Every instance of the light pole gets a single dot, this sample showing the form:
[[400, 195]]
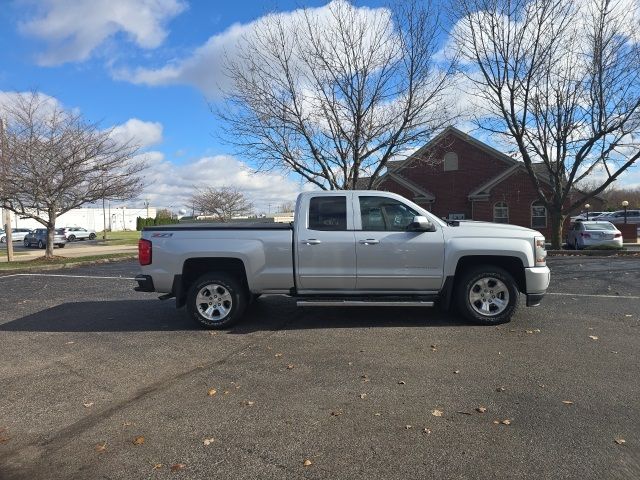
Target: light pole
[[625, 204], [587, 207]]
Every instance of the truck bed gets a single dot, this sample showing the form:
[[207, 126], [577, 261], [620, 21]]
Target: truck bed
[[221, 226]]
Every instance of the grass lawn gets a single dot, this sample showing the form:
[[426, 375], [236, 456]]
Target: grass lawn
[[120, 238], [61, 261]]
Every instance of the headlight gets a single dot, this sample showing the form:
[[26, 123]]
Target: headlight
[[540, 252]]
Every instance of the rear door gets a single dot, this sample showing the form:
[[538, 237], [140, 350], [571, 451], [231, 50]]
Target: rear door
[[325, 244], [389, 257]]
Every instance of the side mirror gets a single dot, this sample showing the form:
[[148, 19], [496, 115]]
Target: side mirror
[[421, 224]]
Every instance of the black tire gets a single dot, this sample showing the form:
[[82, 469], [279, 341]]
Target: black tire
[[71, 238], [238, 298], [61, 245], [499, 305], [26, 243], [41, 244], [92, 236]]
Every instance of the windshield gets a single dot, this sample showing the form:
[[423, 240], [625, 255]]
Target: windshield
[[599, 226]]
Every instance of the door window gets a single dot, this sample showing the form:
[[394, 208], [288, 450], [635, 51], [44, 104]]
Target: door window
[[385, 214], [328, 213]]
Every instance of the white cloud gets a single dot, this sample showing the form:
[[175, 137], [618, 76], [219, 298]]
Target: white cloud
[[171, 185], [204, 68], [138, 132], [75, 28]]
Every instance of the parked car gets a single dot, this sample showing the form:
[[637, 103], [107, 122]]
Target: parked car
[[583, 216], [17, 234], [592, 233], [633, 216], [78, 233], [38, 238]]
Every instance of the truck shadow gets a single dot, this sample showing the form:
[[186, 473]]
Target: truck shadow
[[266, 314]]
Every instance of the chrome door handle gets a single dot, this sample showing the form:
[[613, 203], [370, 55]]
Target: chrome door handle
[[311, 241], [369, 241]]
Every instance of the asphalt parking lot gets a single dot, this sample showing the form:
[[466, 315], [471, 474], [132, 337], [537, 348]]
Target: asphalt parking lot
[[99, 381]]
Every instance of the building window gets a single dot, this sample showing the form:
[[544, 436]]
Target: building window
[[538, 215], [501, 212], [450, 161]]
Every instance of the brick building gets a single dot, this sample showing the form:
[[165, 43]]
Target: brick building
[[456, 176]]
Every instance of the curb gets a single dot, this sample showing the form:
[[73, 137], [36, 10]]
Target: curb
[[62, 266]]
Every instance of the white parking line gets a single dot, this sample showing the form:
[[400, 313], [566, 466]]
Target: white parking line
[[633, 297], [64, 276]]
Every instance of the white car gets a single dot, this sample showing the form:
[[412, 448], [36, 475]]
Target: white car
[[17, 234], [593, 233], [78, 233]]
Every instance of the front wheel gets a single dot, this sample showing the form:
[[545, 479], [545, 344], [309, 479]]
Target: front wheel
[[216, 300], [71, 238], [61, 245], [92, 236], [487, 295], [40, 244], [26, 243]]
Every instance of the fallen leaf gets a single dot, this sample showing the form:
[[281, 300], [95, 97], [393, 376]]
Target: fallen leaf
[[291, 366], [481, 409], [157, 466], [426, 430], [139, 440], [363, 395], [278, 355], [437, 413], [307, 463], [529, 331], [506, 422], [350, 363], [567, 402], [620, 441], [434, 346], [496, 422], [593, 337], [249, 403], [336, 413], [207, 441], [377, 414], [126, 424], [177, 466], [70, 343], [408, 427], [628, 315], [500, 389], [226, 392], [536, 330], [456, 371], [101, 447], [88, 404], [401, 382], [212, 392], [213, 333], [541, 385]]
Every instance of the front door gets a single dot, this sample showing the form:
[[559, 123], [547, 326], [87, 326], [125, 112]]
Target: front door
[[326, 257], [389, 257]]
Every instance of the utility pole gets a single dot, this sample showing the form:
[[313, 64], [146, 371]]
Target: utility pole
[[6, 214]]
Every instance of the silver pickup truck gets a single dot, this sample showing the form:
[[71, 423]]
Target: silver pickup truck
[[346, 248]]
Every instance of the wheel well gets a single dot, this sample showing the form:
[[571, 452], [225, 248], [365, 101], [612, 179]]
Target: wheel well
[[513, 265], [193, 268]]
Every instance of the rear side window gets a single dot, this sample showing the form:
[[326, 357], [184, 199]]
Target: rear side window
[[328, 213], [59, 231]]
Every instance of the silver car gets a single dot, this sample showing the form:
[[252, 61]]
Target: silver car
[[38, 238], [633, 216], [17, 234], [79, 233], [592, 233]]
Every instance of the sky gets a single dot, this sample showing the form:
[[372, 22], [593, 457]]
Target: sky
[[150, 69]]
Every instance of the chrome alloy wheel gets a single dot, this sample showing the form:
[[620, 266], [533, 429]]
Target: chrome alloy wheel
[[214, 302], [489, 296]]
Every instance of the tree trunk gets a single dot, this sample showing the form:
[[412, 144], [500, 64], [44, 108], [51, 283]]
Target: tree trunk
[[557, 220], [51, 231]]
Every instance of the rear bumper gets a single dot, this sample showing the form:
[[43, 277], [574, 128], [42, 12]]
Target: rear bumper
[[145, 284]]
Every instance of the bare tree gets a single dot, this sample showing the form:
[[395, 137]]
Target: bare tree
[[333, 96], [561, 79], [55, 161], [223, 203]]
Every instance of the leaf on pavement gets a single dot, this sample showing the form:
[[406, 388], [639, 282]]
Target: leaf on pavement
[[620, 441], [500, 389], [207, 441], [377, 414], [249, 403], [363, 395], [278, 355], [506, 422], [88, 404], [211, 392], [567, 402], [157, 466], [291, 366], [139, 440], [437, 413], [177, 466], [456, 371], [481, 409], [426, 430], [307, 463], [336, 413], [402, 382], [101, 447], [593, 337], [408, 427]]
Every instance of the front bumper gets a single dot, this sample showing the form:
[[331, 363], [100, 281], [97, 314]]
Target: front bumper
[[145, 284], [537, 279]]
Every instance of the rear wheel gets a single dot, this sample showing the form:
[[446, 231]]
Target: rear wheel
[[92, 236], [26, 243], [216, 300], [71, 238], [40, 244], [487, 295]]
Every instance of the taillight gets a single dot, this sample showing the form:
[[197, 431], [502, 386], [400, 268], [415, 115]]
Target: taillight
[[585, 235], [144, 251]]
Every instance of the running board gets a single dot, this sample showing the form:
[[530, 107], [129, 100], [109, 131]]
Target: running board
[[361, 303]]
